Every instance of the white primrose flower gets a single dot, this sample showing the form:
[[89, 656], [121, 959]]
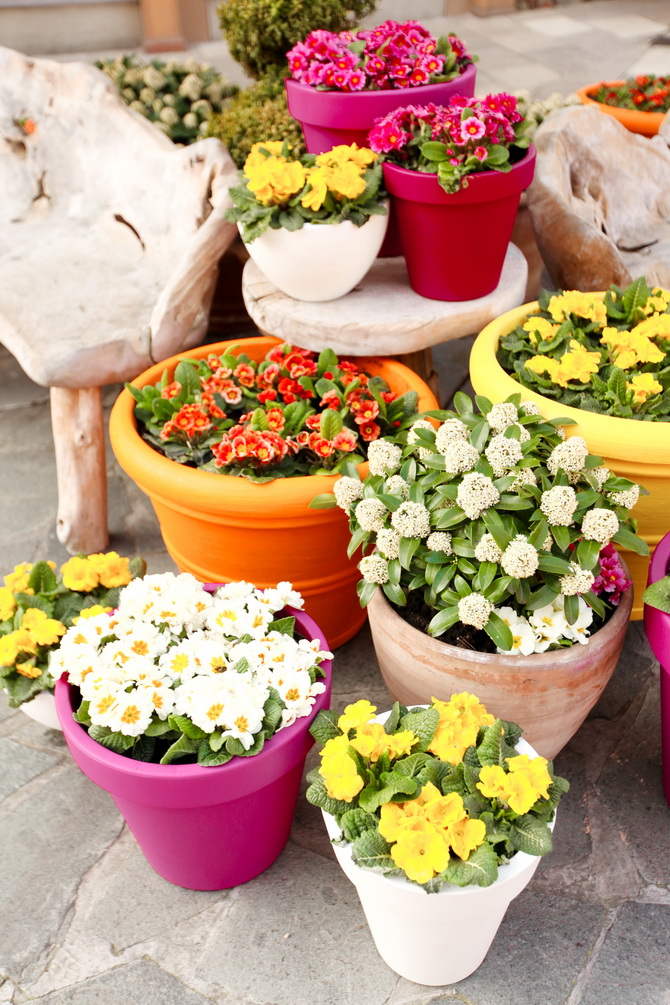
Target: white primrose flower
[[474, 610], [411, 519], [131, 713], [600, 525], [371, 514], [523, 639], [383, 457], [374, 569], [347, 490], [475, 494], [283, 595], [549, 625], [578, 631]]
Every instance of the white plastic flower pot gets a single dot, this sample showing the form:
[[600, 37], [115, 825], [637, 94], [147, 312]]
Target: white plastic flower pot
[[42, 708], [435, 938], [319, 261]]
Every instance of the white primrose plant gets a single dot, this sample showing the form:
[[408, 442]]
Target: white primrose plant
[[177, 672], [489, 520]]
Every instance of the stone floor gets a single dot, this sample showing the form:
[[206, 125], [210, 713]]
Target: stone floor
[[85, 919]]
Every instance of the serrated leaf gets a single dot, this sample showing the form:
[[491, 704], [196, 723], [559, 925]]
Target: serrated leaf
[[184, 725], [372, 851], [183, 747], [481, 868], [489, 751], [143, 748], [356, 822], [317, 795], [423, 724], [42, 578], [108, 738], [393, 783], [285, 626], [531, 835]]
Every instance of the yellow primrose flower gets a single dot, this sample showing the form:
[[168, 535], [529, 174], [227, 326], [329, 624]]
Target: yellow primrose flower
[[345, 180], [470, 708], [445, 810], [275, 180], [361, 156], [317, 191], [80, 575], [48, 632], [540, 329], [465, 835], [493, 782], [522, 793], [341, 778], [8, 650], [17, 581], [334, 747], [91, 612], [643, 385], [658, 301], [582, 305], [420, 852], [370, 740], [28, 670], [112, 569], [32, 617], [460, 719], [7, 603], [255, 157], [577, 364], [535, 768], [543, 364], [356, 715], [400, 743], [397, 817], [627, 349]]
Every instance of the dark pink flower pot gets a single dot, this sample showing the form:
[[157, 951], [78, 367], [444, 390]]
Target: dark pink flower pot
[[455, 244], [204, 828], [329, 118], [657, 627]]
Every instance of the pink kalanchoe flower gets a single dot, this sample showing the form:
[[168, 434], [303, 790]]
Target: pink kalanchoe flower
[[611, 580]]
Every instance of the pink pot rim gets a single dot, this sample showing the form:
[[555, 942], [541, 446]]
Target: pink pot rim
[[327, 108], [484, 186], [202, 782], [657, 623]]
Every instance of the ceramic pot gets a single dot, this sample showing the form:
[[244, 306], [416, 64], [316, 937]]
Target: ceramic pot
[[632, 449], [657, 627], [548, 694], [455, 243], [319, 261], [645, 123], [42, 708], [204, 828], [434, 938], [221, 528]]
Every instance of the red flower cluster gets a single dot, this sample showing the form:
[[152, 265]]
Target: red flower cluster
[[643, 93], [611, 580], [395, 54]]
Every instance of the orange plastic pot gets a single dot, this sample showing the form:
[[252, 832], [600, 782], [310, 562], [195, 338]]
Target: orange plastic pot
[[221, 528], [645, 123]]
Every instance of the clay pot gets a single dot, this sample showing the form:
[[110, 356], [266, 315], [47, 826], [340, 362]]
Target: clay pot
[[221, 528], [645, 123], [632, 449], [548, 694]]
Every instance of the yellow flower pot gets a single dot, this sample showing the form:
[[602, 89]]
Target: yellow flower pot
[[631, 448]]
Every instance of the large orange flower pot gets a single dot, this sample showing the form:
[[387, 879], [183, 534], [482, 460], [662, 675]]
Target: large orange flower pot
[[645, 123], [221, 528]]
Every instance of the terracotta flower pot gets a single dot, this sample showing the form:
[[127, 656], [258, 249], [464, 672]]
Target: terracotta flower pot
[[222, 528], [646, 123], [631, 448], [548, 694], [204, 828], [455, 243], [657, 627]]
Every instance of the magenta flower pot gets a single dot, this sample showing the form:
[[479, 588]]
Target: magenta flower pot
[[657, 627], [329, 118], [455, 244], [204, 828]]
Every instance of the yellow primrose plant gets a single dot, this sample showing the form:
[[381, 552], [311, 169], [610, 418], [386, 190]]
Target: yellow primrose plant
[[435, 794], [281, 190], [606, 354], [38, 605]]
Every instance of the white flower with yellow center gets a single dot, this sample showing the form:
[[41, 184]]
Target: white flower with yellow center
[[549, 625], [131, 713], [102, 699], [283, 595], [578, 631]]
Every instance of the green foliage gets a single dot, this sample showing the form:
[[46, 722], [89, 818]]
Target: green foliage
[[658, 595], [259, 33]]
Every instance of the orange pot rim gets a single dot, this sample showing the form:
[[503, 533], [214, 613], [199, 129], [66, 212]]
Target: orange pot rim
[[218, 493], [606, 432], [635, 121]]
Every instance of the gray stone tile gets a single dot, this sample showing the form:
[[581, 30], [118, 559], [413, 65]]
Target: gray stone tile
[[120, 914], [17, 388], [541, 946], [572, 841], [302, 925], [141, 983], [50, 839], [633, 964], [5, 710], [633, 674], [18, 764]]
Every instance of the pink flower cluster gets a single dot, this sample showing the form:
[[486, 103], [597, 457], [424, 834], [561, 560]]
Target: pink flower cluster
[[467, 127], [611, 580], [395, 54]]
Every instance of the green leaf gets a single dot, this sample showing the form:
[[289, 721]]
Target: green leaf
[[356, 822], [395, 594], [530, 835], [571, 609], [499, 632], [326, 500], [143, 748], [184, 725], [365, 591], [113, 741], [541, 598], [331, 423], [316, 795], [42, 578], [285, 626], [443, 620], [407, 550], [158, 728], [325, 726], [587, 553], [81, 715], [372, 851], [183, 747], [357, 539], [423, 724], [631, 541], [187, 375], [209, 758], [490, 750], [562, 537], [433, 151], [658, 595], [481, 869], [215, 741], [393, 783], [553, 564]]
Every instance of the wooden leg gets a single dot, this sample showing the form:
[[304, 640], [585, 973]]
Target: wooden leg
[[79, 439]]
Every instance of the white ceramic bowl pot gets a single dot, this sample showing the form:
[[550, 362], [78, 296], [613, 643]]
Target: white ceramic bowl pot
[[435, 938], [320, 261], [42, 708]]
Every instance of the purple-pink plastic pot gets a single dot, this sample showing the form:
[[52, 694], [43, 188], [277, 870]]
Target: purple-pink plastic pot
[[657, 627], [204, 828], [455, 244], [329, 118]]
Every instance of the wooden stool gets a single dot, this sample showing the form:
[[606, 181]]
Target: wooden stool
[[382, 316]]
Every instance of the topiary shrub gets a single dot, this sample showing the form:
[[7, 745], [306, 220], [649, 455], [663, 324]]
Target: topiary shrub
[[258, 113], [259, 33]]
